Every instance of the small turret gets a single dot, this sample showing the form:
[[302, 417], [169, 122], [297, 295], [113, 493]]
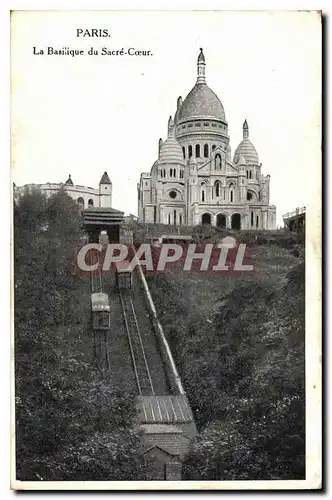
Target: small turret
[[192, 162], [170, 127], [69, 182], [160, 143], [178, 107]]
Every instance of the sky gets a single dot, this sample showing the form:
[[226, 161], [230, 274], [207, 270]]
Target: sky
[[88, 114]]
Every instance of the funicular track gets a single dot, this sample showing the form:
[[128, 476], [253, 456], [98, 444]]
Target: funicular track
[[139, 361], [95, 276], [101, 351]]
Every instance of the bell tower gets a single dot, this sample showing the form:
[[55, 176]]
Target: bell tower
[[105, 191]]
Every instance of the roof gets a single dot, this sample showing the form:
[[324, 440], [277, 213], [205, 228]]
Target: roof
[[105, 179], [170, 151], [248, 151], [201, 57], [69, 181], [161, 429], [201, 102], [164, 409], [102, 216], [176, 444]]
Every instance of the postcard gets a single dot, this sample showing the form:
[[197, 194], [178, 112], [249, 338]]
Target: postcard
[[166, 234]]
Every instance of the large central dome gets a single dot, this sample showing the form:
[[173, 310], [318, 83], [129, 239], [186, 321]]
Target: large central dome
[[201, 102]]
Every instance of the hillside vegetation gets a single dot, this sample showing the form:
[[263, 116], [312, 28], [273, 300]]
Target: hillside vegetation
[[238, 342], [70, 424]]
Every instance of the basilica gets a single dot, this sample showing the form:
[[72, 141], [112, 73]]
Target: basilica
[[195, 180]]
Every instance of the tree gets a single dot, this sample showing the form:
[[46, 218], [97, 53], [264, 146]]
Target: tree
[[70, 425]]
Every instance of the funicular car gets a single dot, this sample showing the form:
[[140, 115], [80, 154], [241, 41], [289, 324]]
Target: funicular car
[[100, 311], [124, 278]]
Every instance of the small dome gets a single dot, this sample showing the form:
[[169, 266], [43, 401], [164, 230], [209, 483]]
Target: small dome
[[170, 151], [201, 102], [248, 151]]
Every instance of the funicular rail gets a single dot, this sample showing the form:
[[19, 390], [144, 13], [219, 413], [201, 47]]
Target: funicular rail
[[95, 276], [141, 368], [100, 331]]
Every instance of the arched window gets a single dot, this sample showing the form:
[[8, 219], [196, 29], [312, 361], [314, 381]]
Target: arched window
[[180, 219], [190, 151], [217, 161], [250, 174], [197, 150], [247, 174], [236, 221], [206, 150], [171, 172], [164, 173], [184, 151], [80, 201], [217, 187], [206, 219], [257, 220], [203, 191], [231, 193], [169, 218], [174, 217], [252, 219], [90, 203], [249, 196]]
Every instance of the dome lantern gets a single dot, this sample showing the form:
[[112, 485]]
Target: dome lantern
[[245, 129], [201, 67]]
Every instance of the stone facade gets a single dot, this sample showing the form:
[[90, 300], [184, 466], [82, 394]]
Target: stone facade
[[86, 197], [195, 180]]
